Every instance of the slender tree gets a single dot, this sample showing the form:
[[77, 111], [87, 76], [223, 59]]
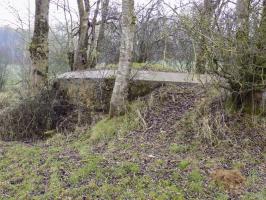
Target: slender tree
[[241, 87], [260, 62], [120, 91], [80, 60], [39, 45], [100, 41], [206, 21], [261, 48], [70, 34], [92, 51]]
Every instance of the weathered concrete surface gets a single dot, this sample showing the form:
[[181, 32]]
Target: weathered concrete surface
[[171, 77], [94, 88]]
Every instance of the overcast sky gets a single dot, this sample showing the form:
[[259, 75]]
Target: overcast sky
[[11, 11]]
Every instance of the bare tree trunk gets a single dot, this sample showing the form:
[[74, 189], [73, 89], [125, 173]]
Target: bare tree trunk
[[242, 98], [242, 35], [80, 60], [92, 51], [207, 17], [261, 46], [39, 45], [70, 35], [120, 91], [260, 62], [100, 42]]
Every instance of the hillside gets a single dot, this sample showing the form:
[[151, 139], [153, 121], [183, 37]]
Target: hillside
[[170, 145]]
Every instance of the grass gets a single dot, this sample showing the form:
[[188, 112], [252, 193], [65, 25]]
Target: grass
[[83, 172], [196, 187], [195, 184], [222, 196], [195, 176], [106, 162], [253, 177], [107, 128], [256, 195], [131, 168], [178, 148], [183, 164]]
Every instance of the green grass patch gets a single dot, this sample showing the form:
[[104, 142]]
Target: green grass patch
[[178, 148], [253, 178], [196, 187], [195, 182], [222, 196], [195, 176], [107, 128], [183, 164], [85, 171], [131, 167], [256, 196]]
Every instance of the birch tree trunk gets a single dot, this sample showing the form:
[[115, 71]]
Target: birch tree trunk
[[120, 91], [39, 45], [80, 60]]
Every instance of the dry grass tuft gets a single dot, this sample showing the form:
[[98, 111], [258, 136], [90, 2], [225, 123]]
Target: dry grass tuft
[[230, 179], [213, 123]]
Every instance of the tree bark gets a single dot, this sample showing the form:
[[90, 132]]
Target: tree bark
[[260, 62], [92, 51], [242, 96], [242, 37], [120, 91], [39, 50], [206, 21], [100, 42], [70, 35], [80, 60], [261, 47]]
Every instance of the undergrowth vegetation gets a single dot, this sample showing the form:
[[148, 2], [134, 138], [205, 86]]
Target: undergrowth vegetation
[[107, 128], [214, 121], [31, 117], [131, 158]]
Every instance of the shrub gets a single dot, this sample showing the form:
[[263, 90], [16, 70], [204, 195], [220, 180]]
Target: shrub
[[31, 117]]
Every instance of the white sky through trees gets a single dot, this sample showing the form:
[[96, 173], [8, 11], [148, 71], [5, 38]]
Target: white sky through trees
[[16, 13]]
